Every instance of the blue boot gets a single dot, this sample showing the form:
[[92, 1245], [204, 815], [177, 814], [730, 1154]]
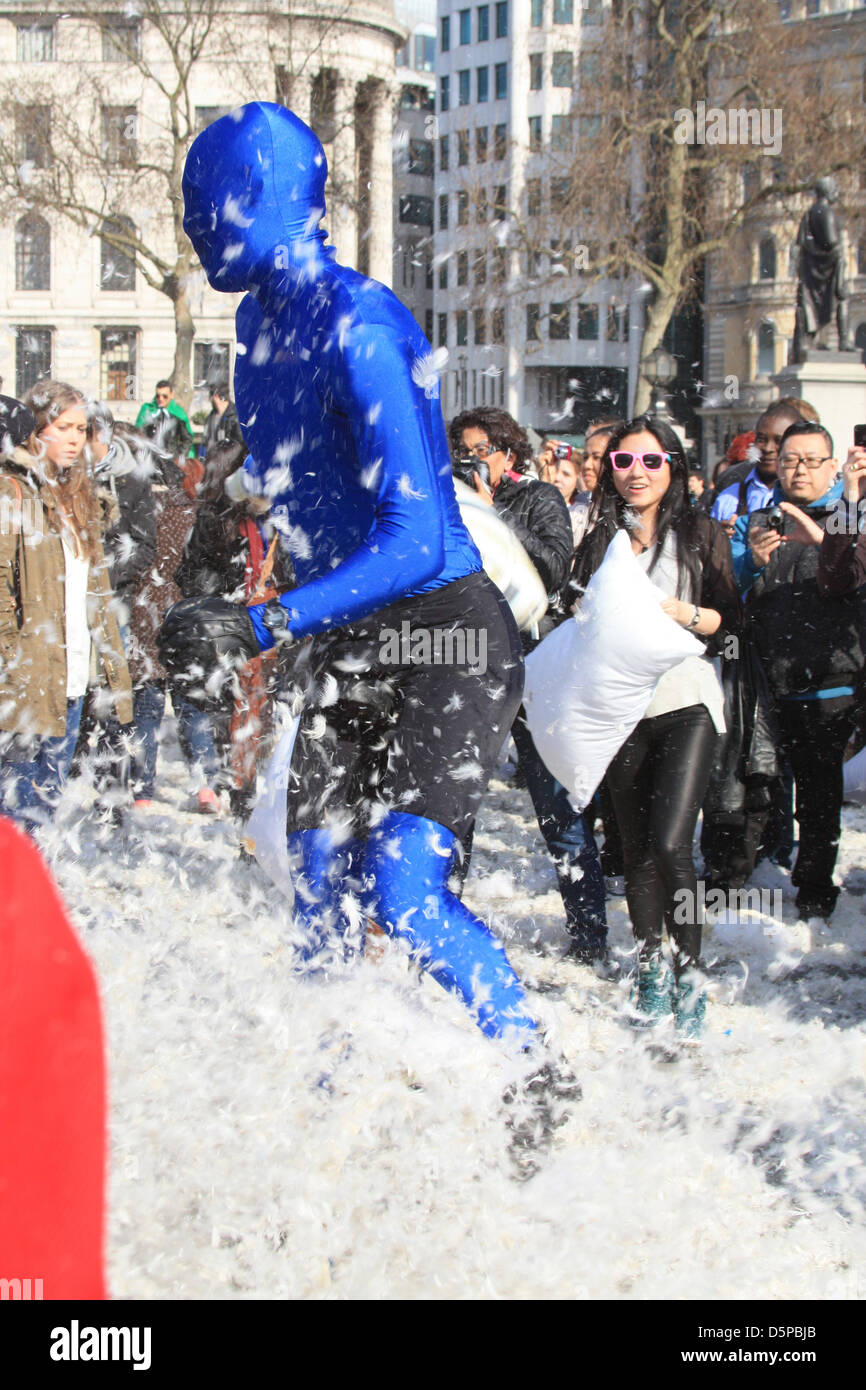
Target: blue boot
[[405, 869], [690, 1003], [653, 998]]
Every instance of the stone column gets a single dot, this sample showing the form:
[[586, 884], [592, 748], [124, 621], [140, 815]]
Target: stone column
[[381, 254], [341, 192]]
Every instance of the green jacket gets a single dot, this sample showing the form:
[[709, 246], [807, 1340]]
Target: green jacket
[[173, 441]]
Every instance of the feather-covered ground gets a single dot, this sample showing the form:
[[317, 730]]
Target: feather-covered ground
[[276, 1135]]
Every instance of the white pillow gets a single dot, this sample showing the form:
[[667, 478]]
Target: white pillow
[[591, 680], [504, 558]]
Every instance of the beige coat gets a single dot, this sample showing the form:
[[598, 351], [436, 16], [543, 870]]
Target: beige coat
[[32, 613]]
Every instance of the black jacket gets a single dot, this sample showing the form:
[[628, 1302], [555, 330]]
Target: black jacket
[[537, 514], [223, 429], [806, 628]]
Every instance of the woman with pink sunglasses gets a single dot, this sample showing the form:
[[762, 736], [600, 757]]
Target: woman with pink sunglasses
[[659, 776]]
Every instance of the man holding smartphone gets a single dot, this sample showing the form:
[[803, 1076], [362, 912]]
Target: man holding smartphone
[[801, 579]]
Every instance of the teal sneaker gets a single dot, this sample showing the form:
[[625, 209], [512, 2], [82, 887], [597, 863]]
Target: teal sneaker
[[690, 1003], [652, 997]]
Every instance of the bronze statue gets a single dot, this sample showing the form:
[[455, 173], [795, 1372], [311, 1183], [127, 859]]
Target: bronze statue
[[821, 286]]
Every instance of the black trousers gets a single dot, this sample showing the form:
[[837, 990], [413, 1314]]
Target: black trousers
[[814, 734], [657, 781]]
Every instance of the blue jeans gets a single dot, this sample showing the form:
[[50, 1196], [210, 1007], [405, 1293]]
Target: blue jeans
[[569, 838], [33, 771], [196, 737]]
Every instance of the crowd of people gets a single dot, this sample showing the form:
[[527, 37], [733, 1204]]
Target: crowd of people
[[106, 527], [116, 524]]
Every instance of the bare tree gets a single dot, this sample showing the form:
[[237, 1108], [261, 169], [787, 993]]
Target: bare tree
[[109, 160], [691, 121]]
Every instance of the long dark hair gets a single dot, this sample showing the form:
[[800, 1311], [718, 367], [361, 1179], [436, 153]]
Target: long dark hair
[[610, 511]]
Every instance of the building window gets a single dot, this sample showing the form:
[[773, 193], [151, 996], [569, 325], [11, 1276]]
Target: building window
[[502, 19], [535, 134], [590, 12], [617, 323], [444, 152], [482, 84], [751, 182], [481, 206], [32, 357], [211, 363], [416, 211], [813, 7], [421, 157], [766, 349], [462, 267], [120, 136], [559, 322], [562, 71], [465, 23], [560, 193], [443, 276], [560, 132], [483, 23], [442, 331], [500, 203], [501, 81], [428, 325], [206, 115], [537, 14], [402, 58], [462, 208], [589, 127], [462, 327], [445, 34], [500, 141], [533, 317], [536, 71], [587, 321], [32, 253], [480, 267], [479, 327], [533, 197], [563, 11], [33, 136], [589, 68], [767, 259], [462, 148], [861, 257], [425, 53], [35, 43], [121, 39], [463, 87], [500, 264], [444, 93], [118, 364], [116, 263], [497, 326], [481, 133], [443, 212]]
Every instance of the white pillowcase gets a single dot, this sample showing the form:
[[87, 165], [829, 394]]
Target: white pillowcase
[[592, 679]]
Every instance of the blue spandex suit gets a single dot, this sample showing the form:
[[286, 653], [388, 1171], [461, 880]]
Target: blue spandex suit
[[342, 417]]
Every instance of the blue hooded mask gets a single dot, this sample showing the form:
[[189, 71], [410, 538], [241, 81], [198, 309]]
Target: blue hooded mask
[[335, 384]]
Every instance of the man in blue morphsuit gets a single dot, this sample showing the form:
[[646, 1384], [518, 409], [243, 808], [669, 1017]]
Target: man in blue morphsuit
[[342, 416]]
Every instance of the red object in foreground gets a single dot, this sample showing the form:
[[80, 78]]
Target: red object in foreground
[[52, 1089]]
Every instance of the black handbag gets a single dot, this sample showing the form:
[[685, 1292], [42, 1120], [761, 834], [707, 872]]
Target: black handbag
[[201, 644], [746, 772]]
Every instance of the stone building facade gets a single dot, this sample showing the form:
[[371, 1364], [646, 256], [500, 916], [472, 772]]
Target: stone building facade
[[71, 304]]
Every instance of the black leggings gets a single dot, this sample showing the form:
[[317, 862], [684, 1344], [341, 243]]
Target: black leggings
[[657, 781]]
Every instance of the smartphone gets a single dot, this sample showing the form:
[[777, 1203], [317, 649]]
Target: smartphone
[[860, 436]]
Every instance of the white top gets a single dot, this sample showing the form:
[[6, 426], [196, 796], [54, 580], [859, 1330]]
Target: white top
[[694, 681], [77, 630]]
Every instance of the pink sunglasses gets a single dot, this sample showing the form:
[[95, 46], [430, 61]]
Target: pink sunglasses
[[621, 460]]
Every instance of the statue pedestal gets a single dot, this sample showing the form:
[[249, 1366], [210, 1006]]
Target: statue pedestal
[[835, 384]]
